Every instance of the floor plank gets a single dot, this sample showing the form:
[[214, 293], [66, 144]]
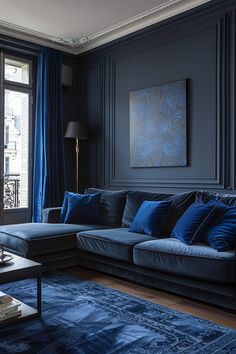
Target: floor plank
[[195, 308]]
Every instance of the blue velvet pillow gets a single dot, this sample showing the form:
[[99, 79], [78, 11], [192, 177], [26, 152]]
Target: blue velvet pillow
[[222, 234], [83, 209], [193, 224], [150, 218], [65, 206]]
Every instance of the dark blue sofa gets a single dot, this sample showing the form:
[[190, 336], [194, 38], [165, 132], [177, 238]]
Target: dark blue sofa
[[197, 271]]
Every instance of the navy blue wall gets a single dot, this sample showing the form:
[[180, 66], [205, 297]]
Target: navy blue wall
[[70, 113], [198, 46]]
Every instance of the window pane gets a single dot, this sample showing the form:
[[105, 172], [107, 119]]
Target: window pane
[[16, 71], [16, 144]]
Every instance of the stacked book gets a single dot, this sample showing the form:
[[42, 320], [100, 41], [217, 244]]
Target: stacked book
[[9, 307]]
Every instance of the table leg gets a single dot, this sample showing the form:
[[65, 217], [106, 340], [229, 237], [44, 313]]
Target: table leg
[[39, 295]]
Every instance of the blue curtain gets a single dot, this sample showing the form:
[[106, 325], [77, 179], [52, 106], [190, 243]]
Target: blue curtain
[[49, 168]]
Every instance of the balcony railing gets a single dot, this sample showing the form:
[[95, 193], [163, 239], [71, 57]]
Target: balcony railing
[[11, 191]]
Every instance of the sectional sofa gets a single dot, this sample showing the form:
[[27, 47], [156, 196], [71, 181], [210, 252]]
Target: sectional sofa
[[197, 271]]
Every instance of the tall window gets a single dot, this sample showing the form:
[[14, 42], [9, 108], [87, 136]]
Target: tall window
[[17, 92]]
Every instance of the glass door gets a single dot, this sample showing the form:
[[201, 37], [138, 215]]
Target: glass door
[[16, 117]]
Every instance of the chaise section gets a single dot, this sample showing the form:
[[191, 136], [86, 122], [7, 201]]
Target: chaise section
[[196, 261], [115, 243], [33, 239]]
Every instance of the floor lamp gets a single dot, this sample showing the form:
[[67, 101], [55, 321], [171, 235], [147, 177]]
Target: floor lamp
[[77, 131]]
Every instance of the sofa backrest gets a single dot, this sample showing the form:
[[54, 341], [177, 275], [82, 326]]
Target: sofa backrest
[[120, 207], [180, 202], [133, 202], [205, 196], [111, 205]]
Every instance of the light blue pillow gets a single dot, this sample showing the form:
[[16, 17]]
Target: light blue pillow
[[150, 218], [192, 225], [83, 209]]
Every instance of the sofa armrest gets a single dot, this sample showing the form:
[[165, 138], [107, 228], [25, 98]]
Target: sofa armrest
[[51, 215]]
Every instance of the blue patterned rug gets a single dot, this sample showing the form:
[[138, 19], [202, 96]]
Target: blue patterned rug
[[86, 318]]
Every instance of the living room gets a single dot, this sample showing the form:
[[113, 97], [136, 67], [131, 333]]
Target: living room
[[118, 178]]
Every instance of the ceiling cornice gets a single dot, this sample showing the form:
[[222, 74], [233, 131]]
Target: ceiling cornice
[[77, 46], [26, 34]]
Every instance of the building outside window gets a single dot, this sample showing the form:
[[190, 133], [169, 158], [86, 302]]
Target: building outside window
[[7, 165], [17, 93]]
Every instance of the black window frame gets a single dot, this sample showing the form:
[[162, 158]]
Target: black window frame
[[30, 90]]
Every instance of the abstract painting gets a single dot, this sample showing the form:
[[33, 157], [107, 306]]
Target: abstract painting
[[158, 126]]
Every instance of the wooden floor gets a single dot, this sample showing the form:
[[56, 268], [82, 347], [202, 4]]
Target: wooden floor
[[179, 303]]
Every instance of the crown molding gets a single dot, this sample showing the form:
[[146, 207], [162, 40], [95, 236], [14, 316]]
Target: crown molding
[[36, 37], [80, 45], [157, 14]]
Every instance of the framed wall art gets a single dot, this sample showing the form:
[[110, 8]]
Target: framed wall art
[[158, 126]]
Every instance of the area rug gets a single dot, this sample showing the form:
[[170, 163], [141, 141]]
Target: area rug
[[84, 317]]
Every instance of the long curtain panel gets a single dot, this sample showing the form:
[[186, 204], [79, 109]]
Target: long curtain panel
[[49, 168]]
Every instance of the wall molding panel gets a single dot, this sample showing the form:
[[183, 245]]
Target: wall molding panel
[[93, 112], [219, 179], [208, 66]]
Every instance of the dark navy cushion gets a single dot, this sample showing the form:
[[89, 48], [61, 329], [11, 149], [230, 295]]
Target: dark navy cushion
[[196, 261], [34, 239], [115, 243], [205, 197], [150, 218], [194, 222], [112, 205], [222, 235], [83, 209], [65, 206], [134, 201], [179, 203]]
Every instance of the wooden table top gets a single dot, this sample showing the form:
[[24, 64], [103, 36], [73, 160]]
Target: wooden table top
[[19, 268]]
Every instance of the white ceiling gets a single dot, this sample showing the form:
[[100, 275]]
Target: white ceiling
[[77, 25], [71, 18]]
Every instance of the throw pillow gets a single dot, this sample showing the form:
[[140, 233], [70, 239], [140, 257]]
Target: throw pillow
[[150, 218], [192, 225], [135, 200], [179, 203], [65, 206], [222, 235], [83, 209]]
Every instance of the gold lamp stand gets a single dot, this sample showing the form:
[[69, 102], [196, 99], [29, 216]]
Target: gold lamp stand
[[76, 130], [77, 164]]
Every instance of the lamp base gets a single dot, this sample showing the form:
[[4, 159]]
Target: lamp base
[[77, 164]]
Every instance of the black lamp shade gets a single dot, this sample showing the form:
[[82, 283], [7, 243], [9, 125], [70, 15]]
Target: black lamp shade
[[76, 130]]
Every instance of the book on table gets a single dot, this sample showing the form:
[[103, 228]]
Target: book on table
[[9, 307]]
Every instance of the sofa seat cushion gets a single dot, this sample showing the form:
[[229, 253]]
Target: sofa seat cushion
[[195, 261], [116, 243], [33, 239]]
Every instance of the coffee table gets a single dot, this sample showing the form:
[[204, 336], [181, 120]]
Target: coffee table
[[18, 269]]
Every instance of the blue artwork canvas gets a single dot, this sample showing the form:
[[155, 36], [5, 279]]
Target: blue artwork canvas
[[158, 132]]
